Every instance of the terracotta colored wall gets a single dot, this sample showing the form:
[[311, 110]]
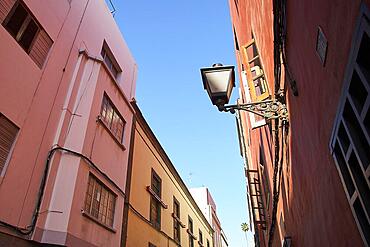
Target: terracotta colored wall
[[41, 102], [312, 202], [146, 156]]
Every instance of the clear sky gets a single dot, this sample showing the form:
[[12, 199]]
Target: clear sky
[[171, 41]]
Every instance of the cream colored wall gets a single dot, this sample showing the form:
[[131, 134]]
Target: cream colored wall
[[140, 232]]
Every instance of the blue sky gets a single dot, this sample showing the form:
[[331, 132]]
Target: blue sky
[[171, 41]]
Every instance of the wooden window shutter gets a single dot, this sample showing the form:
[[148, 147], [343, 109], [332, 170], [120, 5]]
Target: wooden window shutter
[[255, 74], [8, 133], [5, 7], [40, 48]]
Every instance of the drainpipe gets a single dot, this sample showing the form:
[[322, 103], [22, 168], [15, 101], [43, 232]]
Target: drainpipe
[[128, 183]]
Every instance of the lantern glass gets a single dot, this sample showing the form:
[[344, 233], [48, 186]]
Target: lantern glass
[[219, 82]]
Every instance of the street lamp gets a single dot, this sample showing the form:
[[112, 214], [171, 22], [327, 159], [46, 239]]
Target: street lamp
[[219, 81]]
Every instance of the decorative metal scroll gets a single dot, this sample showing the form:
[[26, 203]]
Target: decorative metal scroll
[[268, 109]]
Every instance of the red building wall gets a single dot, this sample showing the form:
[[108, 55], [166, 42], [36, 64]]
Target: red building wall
[[312, 203]]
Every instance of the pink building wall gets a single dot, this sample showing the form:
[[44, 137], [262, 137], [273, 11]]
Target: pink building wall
[[58, 105]]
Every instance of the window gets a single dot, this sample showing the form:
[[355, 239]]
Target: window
[[100, 201], [155, 204], [236, 40], [190, 232], [257, 83], [110, 61], [255, 120], [200, 241], [8, 133], [208, 243], [27, 32], [265, 177], [112, 119], [176, 220], [22, 26], [152, 245], [350, 143]]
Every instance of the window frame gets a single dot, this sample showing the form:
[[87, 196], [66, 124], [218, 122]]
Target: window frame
[[255, 122], [156, 222], [113, 67], [246, 61], [89, 203], [176, 221], [190, 231], [18, 36], [349, 159], [106, 101], [200, 241]]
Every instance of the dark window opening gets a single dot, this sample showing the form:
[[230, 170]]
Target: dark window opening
[[16, 20], [236, 41], [344, 170], [358, 92], [357, 135], [343, 138], [360, 181], [110, 61], [21, 25], [363, 58], [28, 35], [190, 229], [200, 238], [176, 223], [155, 205], [361, 216]]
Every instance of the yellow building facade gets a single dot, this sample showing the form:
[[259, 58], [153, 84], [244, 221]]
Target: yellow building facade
[[160, 209]]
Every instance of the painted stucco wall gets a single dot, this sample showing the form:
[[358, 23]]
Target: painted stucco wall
[[59, 105], [147, 156], [312, 202]]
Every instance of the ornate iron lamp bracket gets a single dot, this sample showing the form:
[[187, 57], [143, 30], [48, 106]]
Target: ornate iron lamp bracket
[[268, 109]]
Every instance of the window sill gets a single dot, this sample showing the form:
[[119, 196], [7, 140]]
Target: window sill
[[86, 214], [155, 226], [164, 205], [178, 220], [191, 234], [111, 134], [110, 72]]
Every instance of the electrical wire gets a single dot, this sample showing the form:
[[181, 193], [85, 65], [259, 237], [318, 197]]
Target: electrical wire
[[279, 24], [31, 227]]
